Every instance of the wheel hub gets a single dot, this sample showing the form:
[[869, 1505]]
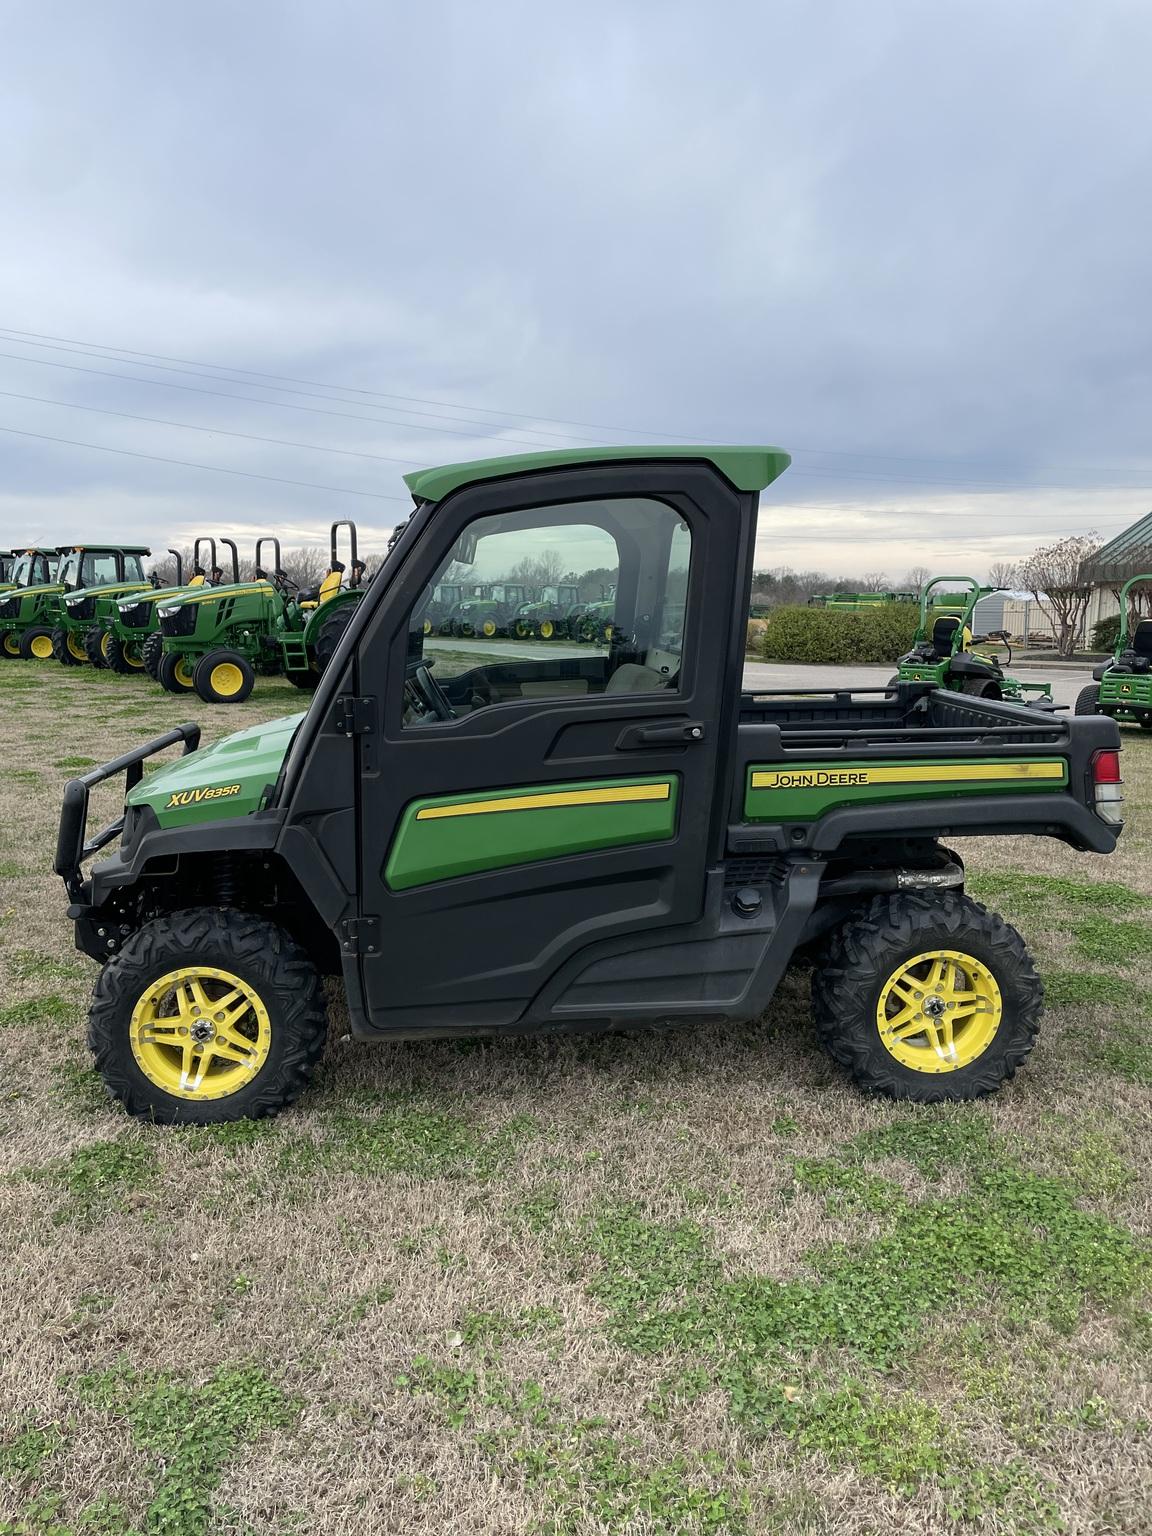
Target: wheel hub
[[202, 1031]]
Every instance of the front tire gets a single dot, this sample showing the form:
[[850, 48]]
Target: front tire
[[930, 999], [205, 1016], [123, 656], [176, 673], [96, 646], [1088, 701], [152, 653], [36, 644], [224, 677], [67, 647]]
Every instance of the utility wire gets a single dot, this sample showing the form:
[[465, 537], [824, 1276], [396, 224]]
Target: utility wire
[[191, 426], [219, 469]]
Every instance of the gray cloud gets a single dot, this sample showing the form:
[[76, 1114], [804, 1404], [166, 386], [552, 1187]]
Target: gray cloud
[[907, 242]]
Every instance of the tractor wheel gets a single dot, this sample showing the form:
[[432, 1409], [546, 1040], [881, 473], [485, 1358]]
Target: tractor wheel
[[151, 652], [36, 644], [927, 998], [547, 629], [176, 674], [223, 677], [96, 646], [330, 634], [522, 630], [427, 626], [123, 656], [980, 688], [67, 647], [9, 646], [1087, 701], [488, 629], [205, 1016]]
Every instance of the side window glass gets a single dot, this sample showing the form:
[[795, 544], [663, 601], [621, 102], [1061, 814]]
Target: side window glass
[[133, 569], [555, 602], [99, 569]]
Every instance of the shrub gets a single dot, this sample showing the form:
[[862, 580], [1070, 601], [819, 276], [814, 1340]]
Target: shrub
[[1105, 633], [829, 635]]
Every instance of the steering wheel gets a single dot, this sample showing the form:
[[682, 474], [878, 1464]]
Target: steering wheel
[[432, 696]]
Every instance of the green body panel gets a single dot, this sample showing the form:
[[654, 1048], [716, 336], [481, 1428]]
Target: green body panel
[[243, 765], [822, 787], [1126, 690], [37, 605], [425, 851], [748, 469], [105, 602]]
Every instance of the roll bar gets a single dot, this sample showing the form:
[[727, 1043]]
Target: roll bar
[[269, 538], [975, 592], [231, 543], [351, 527], [179, 559], [1133, 581], [211, 542]]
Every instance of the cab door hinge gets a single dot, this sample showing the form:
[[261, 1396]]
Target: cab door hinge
[[360, 935], [354, 714]]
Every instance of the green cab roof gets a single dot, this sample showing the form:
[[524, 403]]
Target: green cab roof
[[748, 469]]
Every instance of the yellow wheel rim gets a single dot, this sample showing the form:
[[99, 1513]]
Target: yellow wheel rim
[[489, 628], [199, 1033], [41, 647], [183, 671], [939, 1011], [227, 679], [546, 630], [11, 645], [521, 631], [607, 631], [131, 655], [104, 645], [75, 648], [427, 626]]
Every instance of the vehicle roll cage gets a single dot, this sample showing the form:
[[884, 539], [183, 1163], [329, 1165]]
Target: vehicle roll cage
[[1123, 635]]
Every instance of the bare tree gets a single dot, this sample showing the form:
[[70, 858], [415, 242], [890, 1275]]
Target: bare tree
[[874, 581], [1056, 577], [916, 577], [542, 570], [306, 566], [1004, 574]]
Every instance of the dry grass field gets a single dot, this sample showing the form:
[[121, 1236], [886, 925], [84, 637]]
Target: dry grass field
[[676, 1283]]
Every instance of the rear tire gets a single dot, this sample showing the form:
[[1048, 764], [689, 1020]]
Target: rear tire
[[305, 681], [65, 645], [175, 674], [151, 652], [96, 646], [980, 688], [36, 644], [123, 656], [281, 1032], [870, 974], [330, 634], [224, 677], [1088, 701]]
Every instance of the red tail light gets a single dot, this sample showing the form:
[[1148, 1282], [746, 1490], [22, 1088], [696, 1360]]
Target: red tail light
[[1106, 768]]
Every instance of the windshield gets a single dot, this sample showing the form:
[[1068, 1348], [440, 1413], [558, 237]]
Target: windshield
[[70, 570], [33, 569]]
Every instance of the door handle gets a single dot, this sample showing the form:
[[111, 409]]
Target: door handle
[[684, 733]]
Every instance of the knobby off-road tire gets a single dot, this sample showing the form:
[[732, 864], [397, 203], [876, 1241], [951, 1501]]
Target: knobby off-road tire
[[331, 633], [123, 656], [96, 646], [249, 950], [151, 653], [1088, 700], [859, 961], [64, 652]]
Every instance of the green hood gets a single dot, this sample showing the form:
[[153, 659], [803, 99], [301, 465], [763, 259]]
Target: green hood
[[229, 778]]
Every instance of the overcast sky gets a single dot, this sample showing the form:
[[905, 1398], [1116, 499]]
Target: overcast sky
[[907, 241]]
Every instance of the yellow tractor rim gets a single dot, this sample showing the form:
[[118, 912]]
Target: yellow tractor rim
[[104, 644], [199, 1033], [131, 654], [489, 628], [11, 645], [227, 679], [75, 648], [183, 671], [41, 647], [427, 626], [939, 1011], [546, 630]]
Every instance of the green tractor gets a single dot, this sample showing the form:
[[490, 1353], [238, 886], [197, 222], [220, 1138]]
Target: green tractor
[[944, 653], [489, 612], [546, 617], [446, 597], [131, 639], [27, 568], [31, 616], [596, 623], [217, 640], [1122, 687], [81, 631]]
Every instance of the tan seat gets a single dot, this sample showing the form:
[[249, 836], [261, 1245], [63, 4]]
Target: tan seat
[[634, 678]]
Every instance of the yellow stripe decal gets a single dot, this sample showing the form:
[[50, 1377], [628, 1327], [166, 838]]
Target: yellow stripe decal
[[565, 797], [214, 592], [943, 773]]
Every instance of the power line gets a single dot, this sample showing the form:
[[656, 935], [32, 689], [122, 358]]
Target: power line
[[191, 426], [219, 469]]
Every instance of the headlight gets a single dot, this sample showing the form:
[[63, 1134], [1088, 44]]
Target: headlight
[[70, 602], [166, 613]]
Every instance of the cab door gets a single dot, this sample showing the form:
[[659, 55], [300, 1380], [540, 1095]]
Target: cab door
[[520, 804]]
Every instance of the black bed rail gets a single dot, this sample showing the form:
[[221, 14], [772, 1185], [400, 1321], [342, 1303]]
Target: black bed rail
[[71, 848]]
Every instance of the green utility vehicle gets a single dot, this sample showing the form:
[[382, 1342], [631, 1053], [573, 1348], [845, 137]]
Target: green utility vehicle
[[544, 617], [27, 568], [30, 616], [1122, 687], [615, 839], [217, 640], [944, 651], [131, 641]]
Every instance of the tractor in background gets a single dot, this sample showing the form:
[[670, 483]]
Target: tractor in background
[[1122, 686], [945, 651], [27, 567], [131, 640], [545, 617], [31, 616]]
